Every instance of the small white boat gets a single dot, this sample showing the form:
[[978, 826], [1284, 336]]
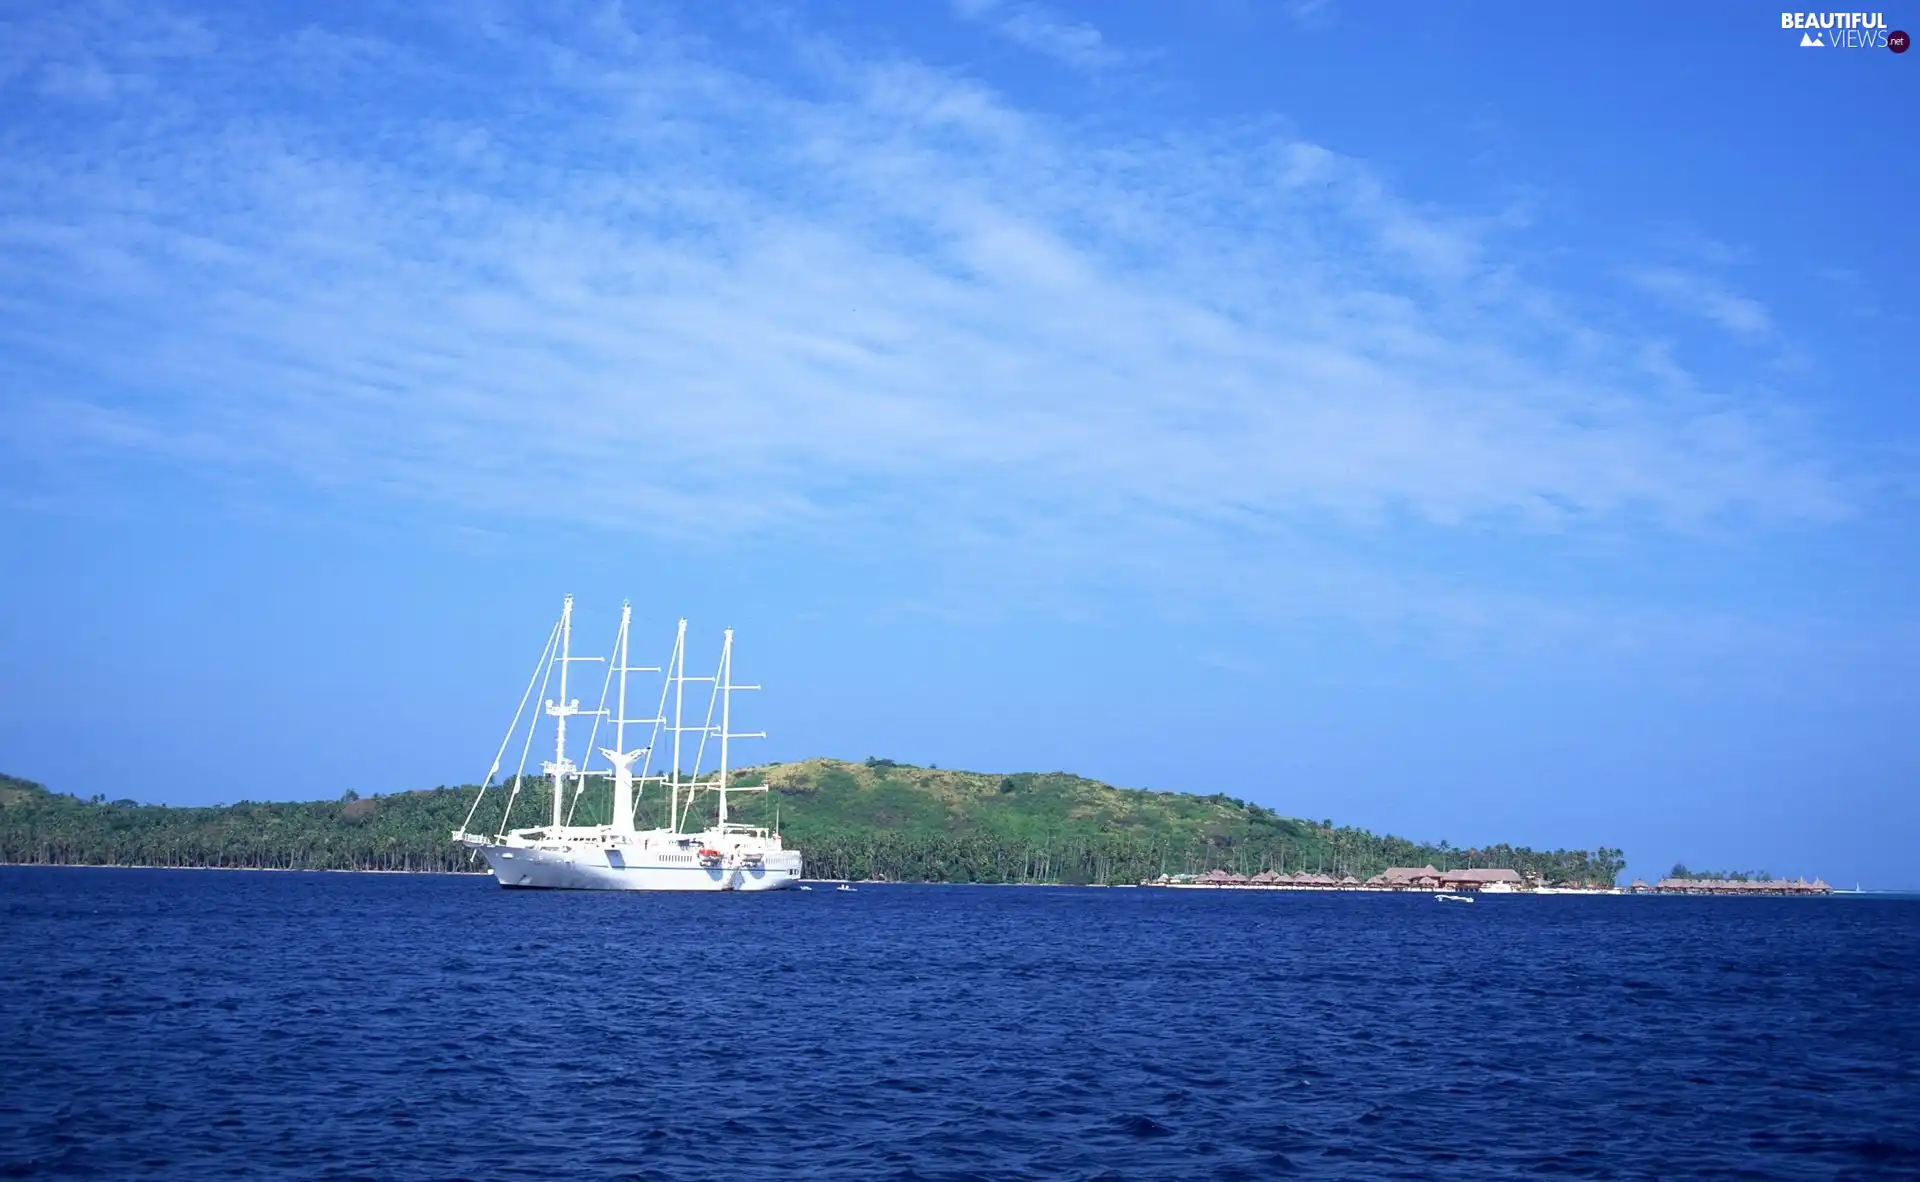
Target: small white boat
[[845, 886], [806, 888], [1454, 898]]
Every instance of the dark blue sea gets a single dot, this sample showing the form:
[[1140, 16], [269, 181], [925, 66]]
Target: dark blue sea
[[201, 1025]]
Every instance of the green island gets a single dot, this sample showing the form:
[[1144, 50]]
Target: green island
[[874, 820]]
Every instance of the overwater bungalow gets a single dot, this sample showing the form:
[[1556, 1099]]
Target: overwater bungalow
[[1496, 879], [1734, 886], [1488, 877], [1408, 878]]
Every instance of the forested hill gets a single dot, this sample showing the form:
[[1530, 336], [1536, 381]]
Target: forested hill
[[876, 819]]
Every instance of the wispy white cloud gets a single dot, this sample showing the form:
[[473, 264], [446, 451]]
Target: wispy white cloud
[[1703, 296], [617, 279], [96, 52], [1041, 29], [1310, 12]]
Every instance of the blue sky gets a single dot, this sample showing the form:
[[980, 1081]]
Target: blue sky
[[1482, 422]]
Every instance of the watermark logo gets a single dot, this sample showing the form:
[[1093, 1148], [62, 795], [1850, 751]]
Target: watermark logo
[[1844, 30]]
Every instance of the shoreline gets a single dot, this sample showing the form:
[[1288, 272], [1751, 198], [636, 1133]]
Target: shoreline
[[235, 869], [1621, 891]]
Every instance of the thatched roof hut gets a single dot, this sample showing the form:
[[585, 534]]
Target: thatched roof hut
[[1401, 878], [1475, 879]]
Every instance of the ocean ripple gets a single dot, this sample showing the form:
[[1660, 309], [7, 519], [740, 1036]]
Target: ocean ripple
[[203, 1025]]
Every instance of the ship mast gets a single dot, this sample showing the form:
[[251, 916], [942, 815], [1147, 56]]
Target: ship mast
[[679, 664], [560, 711], [727, 687], [726, 713], [621, 758]]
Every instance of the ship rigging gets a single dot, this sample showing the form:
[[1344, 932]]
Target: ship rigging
[[722, 855]]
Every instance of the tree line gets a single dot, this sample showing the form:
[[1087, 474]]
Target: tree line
[[411, 832], [1113, 860], [1680, 871], [407, 832]]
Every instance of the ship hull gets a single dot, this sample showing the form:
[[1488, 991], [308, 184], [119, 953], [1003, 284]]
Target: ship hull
[[587, 869]]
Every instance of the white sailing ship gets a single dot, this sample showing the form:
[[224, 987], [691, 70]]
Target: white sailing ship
[[720, 855]]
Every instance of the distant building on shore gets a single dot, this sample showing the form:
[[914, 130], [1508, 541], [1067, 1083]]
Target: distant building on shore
[[1734, 886], [1406, 878], [1493, 878], [1485, 879]]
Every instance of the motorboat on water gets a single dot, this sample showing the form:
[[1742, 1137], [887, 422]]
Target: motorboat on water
[[690, 848], [1454, 898]]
